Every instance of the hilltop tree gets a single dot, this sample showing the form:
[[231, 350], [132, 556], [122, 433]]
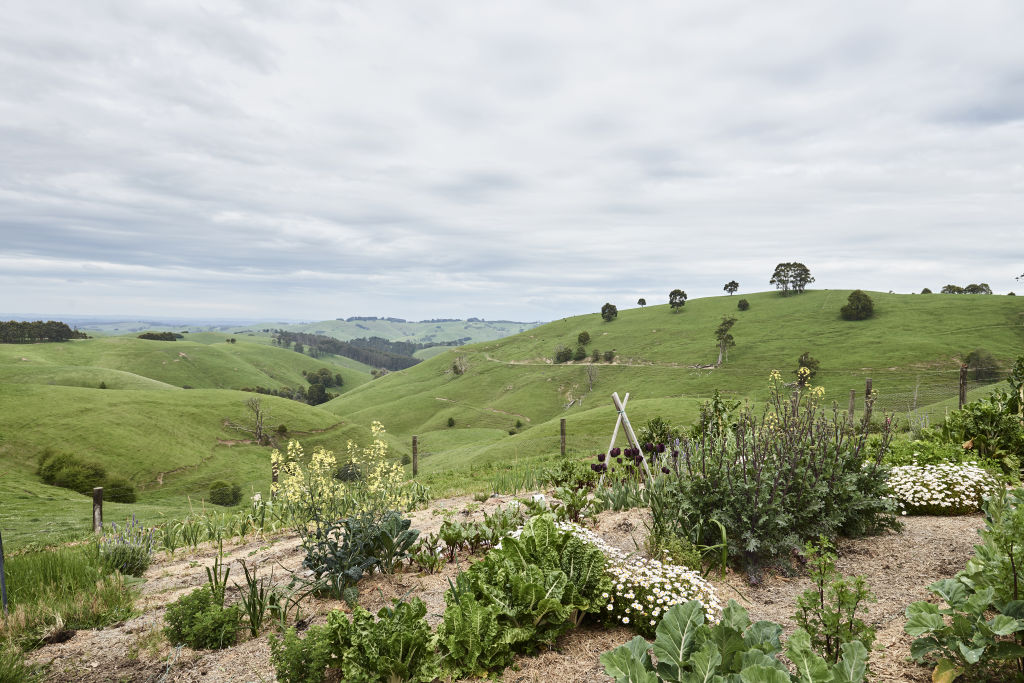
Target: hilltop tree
[[926, 291], [858, 306], [609, 312], [791, 277], [676, 299], [724, 337], [641, 302], [982, 288], [731, 286]]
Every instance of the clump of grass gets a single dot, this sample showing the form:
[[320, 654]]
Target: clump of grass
[[54, 591]]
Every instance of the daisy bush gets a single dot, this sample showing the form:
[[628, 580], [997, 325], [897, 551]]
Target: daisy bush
[[948, 489], [643, 590]]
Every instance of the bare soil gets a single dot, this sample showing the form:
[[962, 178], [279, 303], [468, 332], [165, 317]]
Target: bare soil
[[898, 568]]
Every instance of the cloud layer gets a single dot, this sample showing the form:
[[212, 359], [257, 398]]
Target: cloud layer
[[523, 160]]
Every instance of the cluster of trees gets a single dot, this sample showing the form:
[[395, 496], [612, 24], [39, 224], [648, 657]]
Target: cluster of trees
[[161, 336], [82, 476], [18, 332], [791, 278], [316, 345], [982, 288], [564, 354], [319, 381]]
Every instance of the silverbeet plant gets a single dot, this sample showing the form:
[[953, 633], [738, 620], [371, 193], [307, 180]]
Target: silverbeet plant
[[128, 549], [688, 649]]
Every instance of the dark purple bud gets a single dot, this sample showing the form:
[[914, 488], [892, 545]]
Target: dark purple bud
[[661, 448], [664, 470], [648, 446], [595, 466], [601, 457], [618, 460], [675, 454], [616, 452]]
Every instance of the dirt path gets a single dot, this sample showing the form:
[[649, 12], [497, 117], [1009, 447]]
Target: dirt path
[[897, 567]]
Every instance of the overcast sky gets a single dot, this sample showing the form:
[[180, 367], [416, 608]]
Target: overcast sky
[[520, 160]]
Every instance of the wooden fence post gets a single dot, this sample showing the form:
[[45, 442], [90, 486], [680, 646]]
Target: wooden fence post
[[853, 401], [795, 401], [3, 581], [97, 509], [867, 401], [562, 427], [963, 385], [415, 456]]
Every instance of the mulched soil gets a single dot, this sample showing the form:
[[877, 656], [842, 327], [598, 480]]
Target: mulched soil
[[898, 568]]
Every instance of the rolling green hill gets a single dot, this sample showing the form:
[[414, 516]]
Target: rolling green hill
[[911, 349], [506, 396]]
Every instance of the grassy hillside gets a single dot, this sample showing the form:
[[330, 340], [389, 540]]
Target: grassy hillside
[[911, 349], [506, 397]]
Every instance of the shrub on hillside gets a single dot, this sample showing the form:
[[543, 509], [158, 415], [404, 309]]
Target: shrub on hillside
[[119, 490], [858, 306], [159, 336], [563, 354], [80, 476], [579, 354], [609, 356], [743, 304], [223, 493]]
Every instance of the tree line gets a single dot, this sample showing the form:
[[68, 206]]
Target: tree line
[[316, 345], [18, 332]]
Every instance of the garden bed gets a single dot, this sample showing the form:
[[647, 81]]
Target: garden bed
[[898, 568]]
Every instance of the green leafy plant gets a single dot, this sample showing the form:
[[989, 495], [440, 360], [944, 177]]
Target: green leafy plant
[[689, 649], [255, 597], [393, 542], [223, 493], [980, 634], [829, 611], [396, 647], [200, 620], [302, 660]]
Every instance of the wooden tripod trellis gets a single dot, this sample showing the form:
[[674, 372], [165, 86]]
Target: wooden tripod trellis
[[623, 419]]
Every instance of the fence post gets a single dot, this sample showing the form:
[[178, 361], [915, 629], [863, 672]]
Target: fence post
[[97, 509], [3, 581], [867, 401], [562, 427], [795, 400], [853, 401], [963, 385], [415, 456]]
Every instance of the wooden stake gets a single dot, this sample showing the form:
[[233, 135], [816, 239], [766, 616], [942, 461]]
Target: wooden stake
[[3, 581], [97, 510], [853, 401], [867, 401], [963, 385], [629, 432], [562, 428], [415, 456]]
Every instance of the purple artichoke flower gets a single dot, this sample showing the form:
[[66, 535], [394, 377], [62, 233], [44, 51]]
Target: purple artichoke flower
[[601, 457]]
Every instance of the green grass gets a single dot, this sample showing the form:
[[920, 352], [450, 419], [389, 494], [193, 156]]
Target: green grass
[[145, 427], [62, 588]]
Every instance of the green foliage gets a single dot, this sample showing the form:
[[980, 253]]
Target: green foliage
[[119, 490], [980, 634], [808, 361], [641, 302], [396, 647], [658, 430], [791, 277], [989, 428], [528, 592], [778, 481], [302, 660], [731, 286], [925, 452], [159, 336], [451, 422], [926, 291], [676, 299], [982, 366], [743, 304], [128, 549], [70, 472], [67, 588], [609, 356], [563, 354], [859, 306], [200, 620], [609, 312], [583, 338], [688, 649], [225, 494], [579, 354], [13, 668], [829, 611], [568, 472]]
